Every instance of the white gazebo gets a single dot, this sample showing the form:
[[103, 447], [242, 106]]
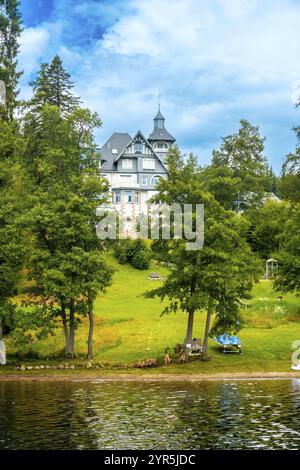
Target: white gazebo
[[271, 267]]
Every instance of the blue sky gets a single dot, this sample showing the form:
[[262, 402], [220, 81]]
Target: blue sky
[[215, 62]]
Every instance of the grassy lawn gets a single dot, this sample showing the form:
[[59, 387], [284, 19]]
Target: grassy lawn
[[129, 328]]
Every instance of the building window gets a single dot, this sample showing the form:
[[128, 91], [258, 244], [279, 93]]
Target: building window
[[126, 164], [128, 197], [138, 147], [148, 164], [161, 145], [144, 180], [155, 180], [136, 198], [117, 196], [114, 151]]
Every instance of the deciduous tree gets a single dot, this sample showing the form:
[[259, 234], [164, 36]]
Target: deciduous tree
[[239, 174], [63, 170], [223, 271]]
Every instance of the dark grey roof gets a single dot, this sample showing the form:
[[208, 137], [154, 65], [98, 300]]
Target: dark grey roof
[[159, 115], [161, 134], [117, 141], [147, 141]]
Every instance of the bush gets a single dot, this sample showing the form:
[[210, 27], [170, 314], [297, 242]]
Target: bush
[[121, 253], [140, 260], [134, 252]]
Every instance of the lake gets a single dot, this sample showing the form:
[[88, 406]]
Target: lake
[[248, 414]]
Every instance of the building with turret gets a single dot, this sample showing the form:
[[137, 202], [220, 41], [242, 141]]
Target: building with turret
[[133, 166]]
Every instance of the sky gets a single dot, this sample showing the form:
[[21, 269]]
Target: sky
[[214, 62]]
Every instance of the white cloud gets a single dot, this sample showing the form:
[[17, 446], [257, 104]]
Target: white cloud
[[33, 44], [216, 61]]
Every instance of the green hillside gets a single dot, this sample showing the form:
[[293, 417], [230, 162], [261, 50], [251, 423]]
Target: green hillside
[[129, 328]]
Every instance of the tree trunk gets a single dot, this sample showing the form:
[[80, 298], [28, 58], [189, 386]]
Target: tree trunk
[[65, 327], [189, 335], [207, 327], [91, 329], [2, 347], [72, 329], [189, 331]]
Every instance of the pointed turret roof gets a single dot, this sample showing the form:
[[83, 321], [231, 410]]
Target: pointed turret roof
[[159, 115], [159, 131]]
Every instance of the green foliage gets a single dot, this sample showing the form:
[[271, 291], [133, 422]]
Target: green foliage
[[228, 318], [288, 279], [135, 252], [220, 274], [267, 223], [11, 246], [289, 184], [219, 181], [239, 174], [140, 260], [53, 86], [65, 188]]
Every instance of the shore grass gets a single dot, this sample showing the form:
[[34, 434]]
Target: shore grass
[[129, 328]]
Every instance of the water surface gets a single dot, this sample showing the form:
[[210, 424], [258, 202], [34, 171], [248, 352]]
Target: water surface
[[261, 414]]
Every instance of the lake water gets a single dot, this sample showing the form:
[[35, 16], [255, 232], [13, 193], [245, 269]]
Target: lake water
[[262, 414]]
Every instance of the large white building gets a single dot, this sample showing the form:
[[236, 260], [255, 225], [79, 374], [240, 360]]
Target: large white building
[[133, 166]]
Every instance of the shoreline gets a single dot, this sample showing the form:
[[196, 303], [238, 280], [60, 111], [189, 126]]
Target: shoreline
[[150, 377]]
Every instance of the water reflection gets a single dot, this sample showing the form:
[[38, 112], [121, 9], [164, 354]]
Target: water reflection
[[209, 415]]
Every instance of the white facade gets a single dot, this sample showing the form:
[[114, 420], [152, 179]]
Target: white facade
[[133, 167]]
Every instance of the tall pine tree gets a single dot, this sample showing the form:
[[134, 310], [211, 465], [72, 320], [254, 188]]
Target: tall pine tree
[[53, 85]]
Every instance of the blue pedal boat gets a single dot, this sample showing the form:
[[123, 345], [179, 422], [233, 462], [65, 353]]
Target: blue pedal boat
[[229, 344]]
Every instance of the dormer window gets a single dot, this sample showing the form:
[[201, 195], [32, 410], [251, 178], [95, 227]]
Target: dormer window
[[138, 147]]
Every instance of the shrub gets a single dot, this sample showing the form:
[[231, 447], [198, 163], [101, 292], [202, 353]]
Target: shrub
[[140, 260], [135, 252], [120, 252]]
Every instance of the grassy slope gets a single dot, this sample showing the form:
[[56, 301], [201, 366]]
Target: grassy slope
[[129, 327]]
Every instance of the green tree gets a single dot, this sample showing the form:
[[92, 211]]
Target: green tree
[[11, 247], [289, 184], [219, 181], [267, 224], [239, 172], [53, 85], [66, 188], [288, 278], [218, 276], [10, 30]]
